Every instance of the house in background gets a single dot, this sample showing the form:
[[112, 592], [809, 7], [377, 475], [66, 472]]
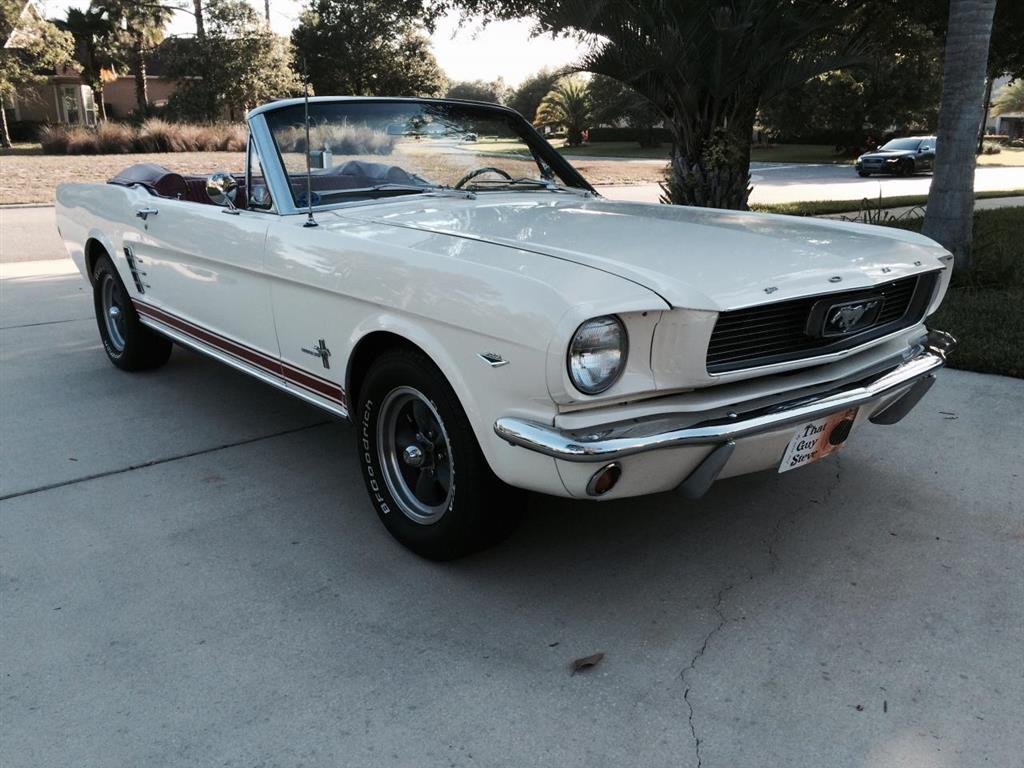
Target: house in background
[[65, 99], [1008, 123]]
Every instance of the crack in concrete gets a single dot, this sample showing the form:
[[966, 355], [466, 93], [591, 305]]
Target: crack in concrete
[[46, 322], [157, 462], [773, 535], [717, 608], [773, 560]]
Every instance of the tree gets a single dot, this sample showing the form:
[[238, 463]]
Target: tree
[[140, 28], [1010, 98], [96, 49], [1006, 51], [367, 48], [480, 90], [31, 45], [218, 73], [705, 64], [948, 215], [896, 86], [616, 103], [567, 105], [527, 97]]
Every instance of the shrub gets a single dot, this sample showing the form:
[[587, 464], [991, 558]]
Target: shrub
[[343, 139], [54, 139], [114, 139], [82, 141], [990, 148], [154, 135]]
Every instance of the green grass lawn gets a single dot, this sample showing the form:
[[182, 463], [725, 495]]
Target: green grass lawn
[[797, 153], [825, 207], [984, 308], [777, 153]]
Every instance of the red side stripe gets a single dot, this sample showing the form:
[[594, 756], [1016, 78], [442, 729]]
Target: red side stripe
[[290, 373]]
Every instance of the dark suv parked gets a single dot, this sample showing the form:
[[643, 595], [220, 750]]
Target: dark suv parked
[[901, 157]]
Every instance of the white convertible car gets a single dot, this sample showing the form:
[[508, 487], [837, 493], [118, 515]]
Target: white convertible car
[[437, 273]]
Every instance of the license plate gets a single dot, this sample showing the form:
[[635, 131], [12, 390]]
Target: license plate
[[817, 439]]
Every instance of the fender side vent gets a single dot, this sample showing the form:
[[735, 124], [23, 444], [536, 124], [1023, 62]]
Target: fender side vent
[[137, 274]]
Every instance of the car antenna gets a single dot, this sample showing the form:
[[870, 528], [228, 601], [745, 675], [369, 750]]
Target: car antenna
[[310, 221]]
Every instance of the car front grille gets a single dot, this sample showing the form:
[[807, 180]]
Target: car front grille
[[780, 332]]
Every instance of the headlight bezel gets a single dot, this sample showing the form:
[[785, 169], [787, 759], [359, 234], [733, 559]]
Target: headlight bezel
[[571, 352]]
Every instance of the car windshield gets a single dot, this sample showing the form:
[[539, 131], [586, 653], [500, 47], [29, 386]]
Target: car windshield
[[368, 149], [902, 144]]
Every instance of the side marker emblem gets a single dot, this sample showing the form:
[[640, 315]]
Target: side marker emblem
[[321, 351]]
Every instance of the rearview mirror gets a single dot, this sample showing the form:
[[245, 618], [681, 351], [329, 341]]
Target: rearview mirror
[[221, 188]]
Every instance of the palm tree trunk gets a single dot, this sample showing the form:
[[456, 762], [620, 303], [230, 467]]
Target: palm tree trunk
[[949, 214], [141, 89], [103, 105], [200, 22], [710, 161], [5, 134], [986, 106]]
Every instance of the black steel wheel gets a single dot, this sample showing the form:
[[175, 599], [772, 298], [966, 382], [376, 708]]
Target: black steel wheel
[[424, 470], [129, 344]]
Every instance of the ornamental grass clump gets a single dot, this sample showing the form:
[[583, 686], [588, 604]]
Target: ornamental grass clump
[[154, 135]]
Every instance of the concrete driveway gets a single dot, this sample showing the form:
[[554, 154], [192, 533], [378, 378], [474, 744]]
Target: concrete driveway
[[192, 576], [794, 182]]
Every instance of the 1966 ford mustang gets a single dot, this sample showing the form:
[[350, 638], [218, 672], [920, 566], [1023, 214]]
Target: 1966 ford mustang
[[437, 273]]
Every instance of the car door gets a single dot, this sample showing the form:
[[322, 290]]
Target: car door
[[311, 277], [926, 155], [199, 268]]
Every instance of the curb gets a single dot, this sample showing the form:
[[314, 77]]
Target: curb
[[18, 206]]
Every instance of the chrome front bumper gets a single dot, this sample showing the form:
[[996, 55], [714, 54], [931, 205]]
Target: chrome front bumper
[[608, 442]]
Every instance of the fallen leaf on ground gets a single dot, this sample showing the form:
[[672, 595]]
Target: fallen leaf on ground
[[586, 662]]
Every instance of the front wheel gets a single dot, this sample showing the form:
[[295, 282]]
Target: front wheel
[[129, 344], [424, 470], [905, 168], [864, 174]]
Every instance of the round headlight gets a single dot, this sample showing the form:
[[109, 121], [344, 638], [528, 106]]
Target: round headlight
[[597, 354]]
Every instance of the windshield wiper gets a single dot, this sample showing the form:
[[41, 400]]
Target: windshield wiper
[[526, 182], [412, 189]]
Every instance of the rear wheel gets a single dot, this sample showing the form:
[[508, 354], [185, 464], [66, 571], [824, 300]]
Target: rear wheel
[[424, 470], [129, 344]]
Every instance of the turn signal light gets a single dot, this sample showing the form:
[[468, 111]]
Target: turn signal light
[[604, 479]]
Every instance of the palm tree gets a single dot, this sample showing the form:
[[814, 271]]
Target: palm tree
[[949, 213], [1009, 99], [567, 105], [141, 28], [94, 36], [706, 65]]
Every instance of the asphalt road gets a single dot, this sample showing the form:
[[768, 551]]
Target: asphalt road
[[192, 576], [793, 182]]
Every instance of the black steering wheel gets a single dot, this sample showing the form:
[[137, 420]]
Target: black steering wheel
[[478, 171]]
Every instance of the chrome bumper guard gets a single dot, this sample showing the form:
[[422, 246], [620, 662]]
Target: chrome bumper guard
[[617, 440]]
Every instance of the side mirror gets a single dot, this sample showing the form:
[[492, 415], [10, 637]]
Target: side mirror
[[221, 188]]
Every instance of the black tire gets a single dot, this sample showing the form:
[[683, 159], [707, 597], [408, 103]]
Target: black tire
[[905, 168], [463, 506], [864, 174], [129, 344]]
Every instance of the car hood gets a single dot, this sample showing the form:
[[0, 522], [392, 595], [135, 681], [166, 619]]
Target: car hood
[[696, 258], [884, 153]]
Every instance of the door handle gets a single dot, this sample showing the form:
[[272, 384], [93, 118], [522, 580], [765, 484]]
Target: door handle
[[144, 213]]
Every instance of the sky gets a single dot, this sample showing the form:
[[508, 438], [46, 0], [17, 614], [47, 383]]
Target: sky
[[466, 52]]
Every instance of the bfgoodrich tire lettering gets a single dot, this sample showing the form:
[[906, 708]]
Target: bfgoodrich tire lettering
[[463, 506], [129, 344]]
